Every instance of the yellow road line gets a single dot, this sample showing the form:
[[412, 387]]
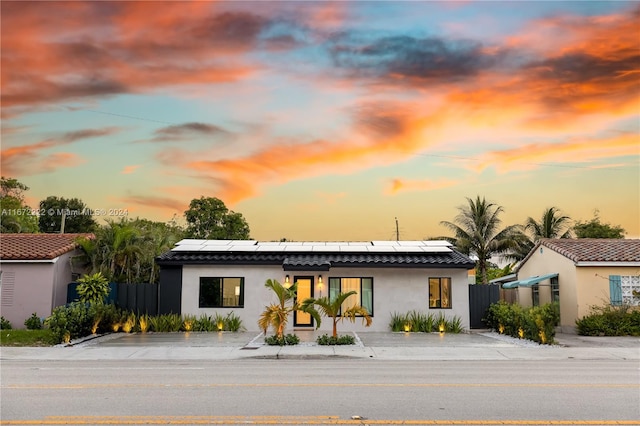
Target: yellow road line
[[287, 420], [341, 385]]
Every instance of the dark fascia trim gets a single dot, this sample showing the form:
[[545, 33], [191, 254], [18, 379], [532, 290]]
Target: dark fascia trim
[[319, 268]]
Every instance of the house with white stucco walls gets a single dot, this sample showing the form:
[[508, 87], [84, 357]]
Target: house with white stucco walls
[[221, 276]]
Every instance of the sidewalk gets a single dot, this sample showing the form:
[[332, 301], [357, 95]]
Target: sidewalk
[[369, 345]]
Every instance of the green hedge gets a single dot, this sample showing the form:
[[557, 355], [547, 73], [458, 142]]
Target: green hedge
[[78, 319], [610, 321], [536, 323]]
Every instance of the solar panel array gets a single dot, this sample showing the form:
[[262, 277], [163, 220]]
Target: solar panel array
[[314, 246]]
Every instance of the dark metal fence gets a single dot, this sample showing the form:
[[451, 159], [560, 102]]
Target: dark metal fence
[[138, 298], [481, 296]]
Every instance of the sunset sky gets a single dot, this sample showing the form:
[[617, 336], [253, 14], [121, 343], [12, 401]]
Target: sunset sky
[[326, 121]]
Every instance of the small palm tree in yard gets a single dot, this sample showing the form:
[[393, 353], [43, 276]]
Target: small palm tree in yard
[[276, 315], [331, 309]]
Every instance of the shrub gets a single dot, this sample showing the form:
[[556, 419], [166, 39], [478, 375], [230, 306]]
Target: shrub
[[33, 322], [166, 323], [204, 323], [416, 321], [232, 322], [71, 321], [288, 339], [536, 323], [5, 324], [325, 339], [93, 288], [610, 321], [398, 321]]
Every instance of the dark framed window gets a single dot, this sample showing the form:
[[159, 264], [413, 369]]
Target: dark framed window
[[555, 290], [440, 292], [535, 294], [218, 292], [362, 286]]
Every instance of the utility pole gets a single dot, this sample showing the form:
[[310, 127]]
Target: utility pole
[[397, 231]]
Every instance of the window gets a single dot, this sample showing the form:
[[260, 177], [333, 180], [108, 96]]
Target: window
[[555, 290], [624, 290], [440, 293], [221, 292], [535, 294], [362, 286]]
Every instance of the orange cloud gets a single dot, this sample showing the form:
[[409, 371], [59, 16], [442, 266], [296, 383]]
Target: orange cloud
[[402, 185], [532, 156], [130, 169], [74, 60], [164, 203], [28, 159]]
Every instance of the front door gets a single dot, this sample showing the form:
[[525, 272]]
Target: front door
[[305, 291]]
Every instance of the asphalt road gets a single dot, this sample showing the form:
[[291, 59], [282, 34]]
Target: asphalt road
[[319, 391]]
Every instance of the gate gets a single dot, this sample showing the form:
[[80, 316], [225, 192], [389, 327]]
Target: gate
[[481, 296]]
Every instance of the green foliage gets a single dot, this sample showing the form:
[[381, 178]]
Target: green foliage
[[275, 340], [552, 225], [418, 322], [325, 340], [209, 218], [125, 250], [232, 322], [331, 308], [536, 323], [5, 324], [166, 323], [477, 231], [93, 288], [276, 315], [33, 338], [77, 216], [596, 229], [610, 320], [71, 321], [15, 216], [33, 322]]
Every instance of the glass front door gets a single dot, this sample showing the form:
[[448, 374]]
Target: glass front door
[[305, 291]]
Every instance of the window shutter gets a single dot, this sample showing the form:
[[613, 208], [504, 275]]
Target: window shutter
[[615, 290]]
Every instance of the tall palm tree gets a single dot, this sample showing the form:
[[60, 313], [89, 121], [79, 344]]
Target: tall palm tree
[[477, 232], [276, 315], [553, 224], [331, 309]]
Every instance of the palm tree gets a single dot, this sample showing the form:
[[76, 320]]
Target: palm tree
[[331, 309], [551, 225], [276, 315], [477, 232]]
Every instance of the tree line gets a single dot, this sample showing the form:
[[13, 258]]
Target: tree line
[[124, 249]]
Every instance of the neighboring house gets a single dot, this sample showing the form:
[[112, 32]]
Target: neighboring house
[[220, 276], [35, 270], [579, 274]]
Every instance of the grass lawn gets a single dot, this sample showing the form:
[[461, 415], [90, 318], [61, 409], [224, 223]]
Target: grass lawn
[[26, 338]]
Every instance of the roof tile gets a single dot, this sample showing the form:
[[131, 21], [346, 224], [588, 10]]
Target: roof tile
[[596, 250], [37, 246]]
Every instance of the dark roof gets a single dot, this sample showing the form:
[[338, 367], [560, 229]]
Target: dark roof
[[596, 250], [320, 261], [37, 246]]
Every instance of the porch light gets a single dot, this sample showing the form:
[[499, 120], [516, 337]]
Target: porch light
[[320, 281], [286, 280]]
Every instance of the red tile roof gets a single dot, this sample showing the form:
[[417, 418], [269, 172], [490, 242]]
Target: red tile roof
[[37, 246], [595, 250]]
